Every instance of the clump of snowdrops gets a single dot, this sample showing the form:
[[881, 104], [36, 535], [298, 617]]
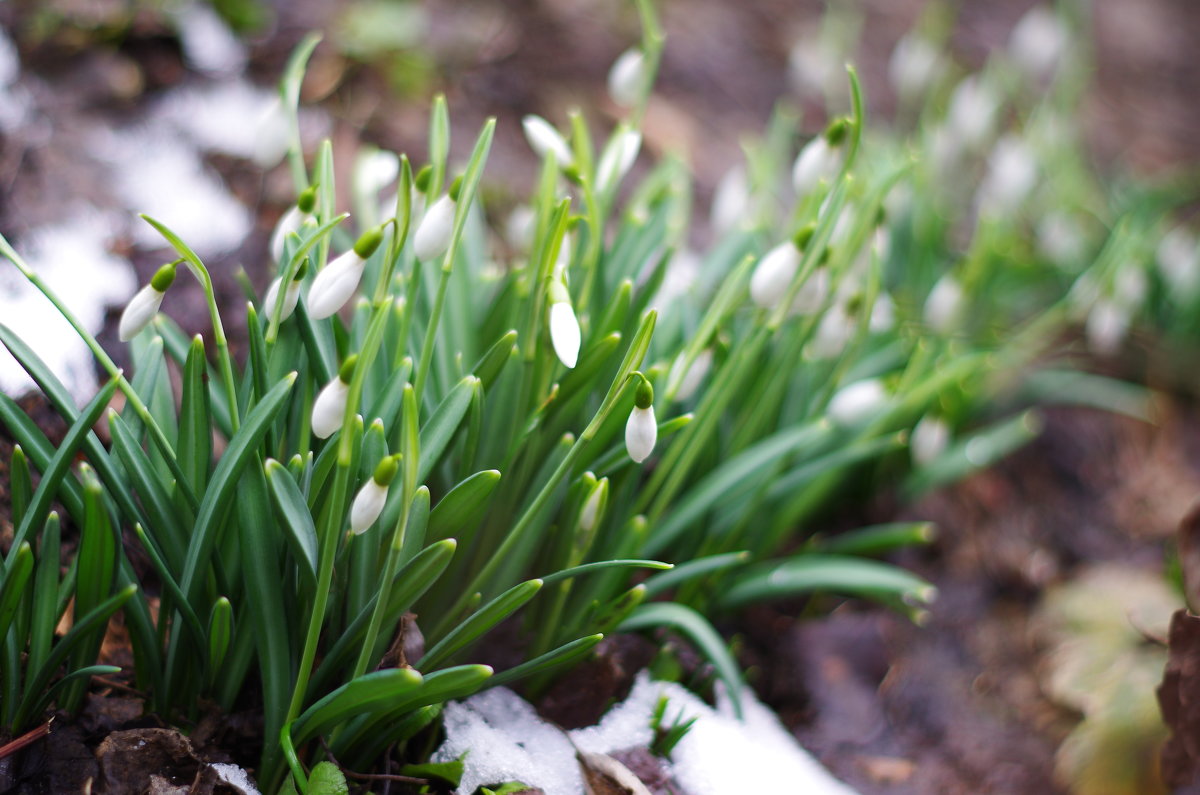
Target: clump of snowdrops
[[422, 429]]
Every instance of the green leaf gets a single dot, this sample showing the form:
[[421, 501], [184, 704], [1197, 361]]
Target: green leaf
[[442, 425], [45, 594], [836, 573], [17, 572], [480, 622], [220, 631], [368, 693], [460, 511], [878, 539], [449, 773], [491, 364], [20, 485], [300, 530], [696, 627], [326, 779], [977, 451], [587, 568], [699, 567], [563, 655]]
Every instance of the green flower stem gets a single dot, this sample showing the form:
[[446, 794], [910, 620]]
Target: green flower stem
[[131, 396], [653, 40]]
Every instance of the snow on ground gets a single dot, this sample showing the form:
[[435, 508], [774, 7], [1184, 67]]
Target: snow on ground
[[721, 754]]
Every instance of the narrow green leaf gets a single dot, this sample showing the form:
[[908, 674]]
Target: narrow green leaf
[[220, 632], [45, 593], [460, 511], [491, 364], [437, 432], [300, 530], [693, 569], [368, 693], [835, 573], [20, 485], [480, 622], [586, 568], [12, 589], [878, 539], [563, 655]]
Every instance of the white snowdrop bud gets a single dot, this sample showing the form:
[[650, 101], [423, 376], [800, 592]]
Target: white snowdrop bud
[[1129, 286], [617, 159], [972, 110], [291, 297], [593, 506], [641, 429], [626, 77], [271, 134], [564, 328], [1012, 176], [731, 200], [544, 138], [914, 65], [686, 383], [1060, 239], [338, 280], [944, 305], [1107, 324], [519, 227], [883, 314], [929, 439], [330, 405], [855, 403], [833, 333], [562, 260], [289, 222], [1178, 261], [435, 230], [374, 169], [144, 305], [812, 293], [1038, 42], [774, 273], [815, 162], [371, 498]]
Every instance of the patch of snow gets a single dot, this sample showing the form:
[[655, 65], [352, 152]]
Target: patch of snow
[[235, 777], [74, 260], [719, 755], [208, 44], [10, 61], [232, 117]]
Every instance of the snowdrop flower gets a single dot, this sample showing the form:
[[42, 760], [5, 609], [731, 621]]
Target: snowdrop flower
[[812, 293], [144, 305], [944, 305], [338, 280], [1012, 176], [883, 314], [1129, 286], [1038, 42], [374, 169], [774, 273], [731, 200], [1060, 238], [818, 159], [626, 77], [929, 439], [641, 429], [564, 328], [972, 110], [593, 506], [855, 403], [292, 220], [686, 383], [833, 333], [562, 260], [617, 159], [291, 296], [1107, 324], [914, 65], [519, 227], [813, 64], [543, 138], [1178, 262], [371, 498], [330, 405], [435, 230]]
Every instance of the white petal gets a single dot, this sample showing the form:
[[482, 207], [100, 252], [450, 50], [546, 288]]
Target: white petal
[[1012, 176], [812, 294], [290, 298], [368, 504], [641, 432], [329, 407], [883, 314], [544, 138], [1038, 41], [288, 222], [625, 77], [617, 159], [435, 230], [929, 439], [591, 507], [731, 199], [1107, 325], [519, 227], [914, 65], [833, 333], [334, 285], [564, 333], [815, 162], [856, 402], [944, 304], [972, 110], [138, 313], [688, 382], [1178, 259], [773, 274]]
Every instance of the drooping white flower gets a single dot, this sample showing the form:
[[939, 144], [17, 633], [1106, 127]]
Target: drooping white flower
[[617, 158], [1060, 238], [813, 65], [972, 111], [375, 169], [593, 506], [544, 138], [291, 297], [944, 305], [774, 273], [1038, 42], [372, 497], [812, 293], [330, 405], [1012, 176], [435, 230], [1178, 259], [334, 285], [562, 260], [641, 429], [564, 328], [914, 65], [1106, 327], [833, 333], [686, 383], [816, 161], [519, 227], [626, 77], [883, 314], [731, 200], [144, 305], [929, 439], [289, 222], [855, 403]]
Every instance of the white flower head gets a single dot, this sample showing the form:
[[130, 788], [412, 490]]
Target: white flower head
[[626, 77], [816, 161], [812, 293], [1107, 325], [291, 297], [856, 403], [544, 138], [144, 305], [1060, 238], [564, 328], [641, 429], [1012, 176], [519, 227], [914, 65], [435, 230], [372, 497], [833, 333], [731, 200], [375, 169], [883, 314], [929, 439], [337, 281], [774, 273], [944, 306], [593, 506], [617, 158], [972, 111], [330, 405], [1038, 42], [685, 383], [1178, 260]]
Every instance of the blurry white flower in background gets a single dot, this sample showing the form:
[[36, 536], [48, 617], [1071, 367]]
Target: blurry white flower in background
[[544, 138], [1038, 42], [972, 112], [944, 306], [856, 403], [1060, 238], [1106, 326], [1012, 175], [914, 66], [731, 200], [626, 77], [929, 439], [1178, 259]]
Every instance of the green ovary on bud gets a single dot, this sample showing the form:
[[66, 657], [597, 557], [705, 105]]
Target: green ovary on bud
[[836, 132], [644, 397], [641, 429], [307, 200], [455, 188], [387, 469], [144, 305], [164, 277], [421, 180], [346, 371], [368, 241]]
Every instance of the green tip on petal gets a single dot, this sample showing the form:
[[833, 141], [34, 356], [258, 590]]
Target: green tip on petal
[[346, 371], [644, 398], [386, 471], [836, 132], [163, 278], [455, 188], [422, 178], [369, 241], [307, 201], [804, 235]]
